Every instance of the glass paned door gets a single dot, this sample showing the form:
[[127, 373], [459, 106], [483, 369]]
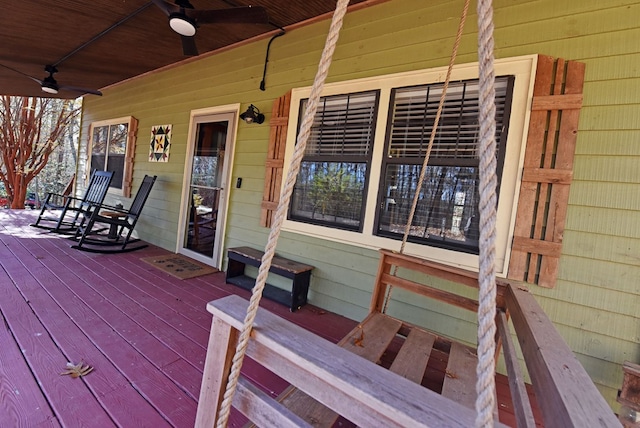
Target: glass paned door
[[206, 186]]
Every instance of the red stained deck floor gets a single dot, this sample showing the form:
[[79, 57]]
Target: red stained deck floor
[[144, 332]]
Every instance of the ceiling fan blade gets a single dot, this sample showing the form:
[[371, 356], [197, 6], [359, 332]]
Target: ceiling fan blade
[[234, 15], [80, 90], [166, 7], [20, 72], [189, 46]]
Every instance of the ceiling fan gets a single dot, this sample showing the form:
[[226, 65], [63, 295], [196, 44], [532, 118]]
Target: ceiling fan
[[184, 19], [49, 83]]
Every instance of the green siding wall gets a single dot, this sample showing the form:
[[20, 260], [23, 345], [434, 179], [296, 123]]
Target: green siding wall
[[595, 303]]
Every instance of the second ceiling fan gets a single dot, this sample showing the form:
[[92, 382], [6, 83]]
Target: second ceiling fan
[[184, 19], [50, 85]]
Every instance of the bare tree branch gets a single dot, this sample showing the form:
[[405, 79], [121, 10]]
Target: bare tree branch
[[31, 129]]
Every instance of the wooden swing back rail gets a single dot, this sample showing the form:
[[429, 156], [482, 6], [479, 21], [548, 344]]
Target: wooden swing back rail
[[329, 380], [385, 279]]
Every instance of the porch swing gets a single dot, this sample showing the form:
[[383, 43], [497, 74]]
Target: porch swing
[[330, 380]]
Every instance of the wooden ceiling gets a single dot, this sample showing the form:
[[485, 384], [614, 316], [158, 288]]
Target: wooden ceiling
[[95, 43]]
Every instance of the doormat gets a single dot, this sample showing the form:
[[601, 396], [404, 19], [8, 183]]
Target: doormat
[[179, 266]]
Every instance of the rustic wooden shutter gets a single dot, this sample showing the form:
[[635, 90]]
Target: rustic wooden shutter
[[127, 179], [548, 170], [275, 158]]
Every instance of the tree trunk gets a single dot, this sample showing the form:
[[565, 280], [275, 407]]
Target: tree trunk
[[30, 130], [19, 195]]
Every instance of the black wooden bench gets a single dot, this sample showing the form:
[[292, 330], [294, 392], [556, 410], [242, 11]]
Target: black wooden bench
[[298, 272]]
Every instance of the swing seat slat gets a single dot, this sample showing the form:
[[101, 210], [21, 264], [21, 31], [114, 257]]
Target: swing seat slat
[[460, 376], [413, 358]]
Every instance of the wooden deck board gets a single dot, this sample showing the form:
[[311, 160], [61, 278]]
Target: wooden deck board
[[107, 384], [82, 341], [43, 354], [61, 283], [81, 298], [140, 356], [169, 308], [148, 315], [19, 392], [132, 384], [162, 285], [149, 295]]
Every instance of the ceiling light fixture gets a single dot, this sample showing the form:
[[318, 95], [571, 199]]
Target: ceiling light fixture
[[49, 84], [182, 24], [49, 87], [252, 115]]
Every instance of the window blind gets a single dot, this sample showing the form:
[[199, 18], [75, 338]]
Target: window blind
[[343, 125], [414, 112]]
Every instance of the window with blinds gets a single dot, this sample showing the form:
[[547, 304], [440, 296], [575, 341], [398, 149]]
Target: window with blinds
[[108, 151], [111, 148], [446, 215], [330, 187]]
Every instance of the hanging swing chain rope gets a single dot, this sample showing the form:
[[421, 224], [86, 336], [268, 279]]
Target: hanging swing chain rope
[[432, 138], [305, 130], [485, 370]]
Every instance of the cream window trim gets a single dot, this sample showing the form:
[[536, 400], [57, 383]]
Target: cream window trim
[[523, 68], [127, 175]]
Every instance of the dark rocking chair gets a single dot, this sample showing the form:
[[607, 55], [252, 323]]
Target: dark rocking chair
[[67, 205], [202, 223], [91, 237]]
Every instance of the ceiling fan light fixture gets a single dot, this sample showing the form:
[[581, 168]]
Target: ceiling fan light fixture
[[49, 90], [49, 86], [182, 24], [252, 115]]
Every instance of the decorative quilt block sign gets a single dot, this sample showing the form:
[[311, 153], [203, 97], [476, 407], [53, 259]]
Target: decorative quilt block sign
[[160, 143]]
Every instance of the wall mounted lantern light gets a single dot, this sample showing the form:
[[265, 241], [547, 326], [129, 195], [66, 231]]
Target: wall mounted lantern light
[[252, 115]]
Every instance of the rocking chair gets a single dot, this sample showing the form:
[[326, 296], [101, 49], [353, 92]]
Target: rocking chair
[[202, 223], [92, 238], [67, 204]]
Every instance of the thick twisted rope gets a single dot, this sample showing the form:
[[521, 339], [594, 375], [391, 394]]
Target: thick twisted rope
[[436, 121], [485, 386], [281, 212]]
